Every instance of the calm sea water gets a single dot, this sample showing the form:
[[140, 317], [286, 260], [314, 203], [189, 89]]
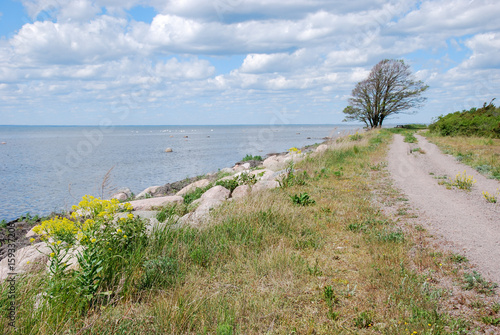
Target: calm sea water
[[45, 169]]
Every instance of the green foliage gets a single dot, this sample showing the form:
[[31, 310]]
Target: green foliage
[[474, 281], [230, 184], [364, 320], [463, 181], [490, 320], [195, 194], [252, 158], [482, 122], [355, 137], [410, 138], [302, 199]]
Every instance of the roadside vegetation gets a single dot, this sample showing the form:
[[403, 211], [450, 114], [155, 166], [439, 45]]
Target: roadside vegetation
[[472, 136], [315, 256]]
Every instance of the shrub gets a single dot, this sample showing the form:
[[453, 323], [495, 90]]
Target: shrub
[[251, 158], [302, 199], [483, 122]]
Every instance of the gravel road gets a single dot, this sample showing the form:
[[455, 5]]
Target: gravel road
[[464, 220]]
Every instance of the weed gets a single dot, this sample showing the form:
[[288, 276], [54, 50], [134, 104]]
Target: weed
[[490, 197], [355, 137], [490, 320], [230, 184], [364, 320], [495, 307], [3, 224], [419, 150], [457, 258], [302, 199], [251, 158], [410, 138], [294, 150], [463, 181], [315, 270], [475, 281]]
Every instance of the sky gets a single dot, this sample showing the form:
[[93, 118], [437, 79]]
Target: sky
[[202, 62]]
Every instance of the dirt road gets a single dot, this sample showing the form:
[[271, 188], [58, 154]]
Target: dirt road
[[464, 220]]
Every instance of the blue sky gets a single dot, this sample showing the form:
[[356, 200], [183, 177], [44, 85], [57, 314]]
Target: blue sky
[[126, 62]]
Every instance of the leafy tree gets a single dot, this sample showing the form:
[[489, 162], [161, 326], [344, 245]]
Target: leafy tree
[[389, 89]]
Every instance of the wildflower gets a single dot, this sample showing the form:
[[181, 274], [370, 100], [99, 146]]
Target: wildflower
[[93, 240], [124, 236], [27, 262], [59, 242], [32, 240], [52, 254], [130, 216], [118, 230]]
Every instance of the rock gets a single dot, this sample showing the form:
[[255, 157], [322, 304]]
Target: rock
[[264, 185], [149, 216], [168, 150], [186, 136], [241, 192], [276, 162], [3, 143], [321, 148], [31, 233], [30, 258], [241, 167], [264, 174], [191, 187], [148, 204], [212, 198], [226, 170], [216, 193], [150, 190], [119, 196]]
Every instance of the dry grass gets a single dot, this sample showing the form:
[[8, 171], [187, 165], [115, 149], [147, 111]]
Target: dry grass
[[265, 265], [481, 153]]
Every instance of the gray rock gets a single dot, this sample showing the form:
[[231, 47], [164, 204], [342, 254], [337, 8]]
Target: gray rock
[[27, 259], [264, 185], [119, 196], [150, 190], [191, 187], [241, 192], [168, 150], [226, 170], [148, 204]]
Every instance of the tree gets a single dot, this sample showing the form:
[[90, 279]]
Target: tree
[[389, 89]]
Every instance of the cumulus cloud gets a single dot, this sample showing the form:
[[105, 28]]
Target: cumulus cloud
[[299, 52]]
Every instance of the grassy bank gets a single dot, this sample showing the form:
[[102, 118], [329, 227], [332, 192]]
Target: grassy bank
[[481, 153], [316, 256]]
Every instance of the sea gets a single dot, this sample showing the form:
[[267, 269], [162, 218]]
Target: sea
[[45, 169]]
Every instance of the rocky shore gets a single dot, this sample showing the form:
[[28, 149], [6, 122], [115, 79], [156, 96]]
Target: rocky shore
[[244, 177]]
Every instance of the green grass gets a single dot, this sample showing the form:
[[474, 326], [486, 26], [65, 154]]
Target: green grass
[[252, 158]]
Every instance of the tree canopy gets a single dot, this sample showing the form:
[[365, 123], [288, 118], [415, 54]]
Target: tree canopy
[[390, 88]]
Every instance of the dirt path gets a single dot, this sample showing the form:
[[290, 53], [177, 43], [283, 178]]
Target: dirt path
[[468, 224]]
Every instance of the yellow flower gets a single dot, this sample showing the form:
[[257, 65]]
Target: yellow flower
[[130, 216], [59, 242], [52, 254], [32, 240], [118, 231], [124, 236], [27, 262], [93, 240]]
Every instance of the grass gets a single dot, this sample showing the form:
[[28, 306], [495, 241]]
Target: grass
[[251, 158], [483, 154], [266, 265]]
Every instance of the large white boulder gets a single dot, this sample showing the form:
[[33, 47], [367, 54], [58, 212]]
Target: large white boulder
[[25, 259], [264, 185], [240, 192], [150, 190], [273, 163], [193, 186], [212, 198], [148, 204]]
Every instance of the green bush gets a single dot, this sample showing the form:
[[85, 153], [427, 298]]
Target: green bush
[[482, 122], [251, 158]]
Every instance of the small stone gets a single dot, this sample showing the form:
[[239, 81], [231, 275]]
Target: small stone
[[168, 150]]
